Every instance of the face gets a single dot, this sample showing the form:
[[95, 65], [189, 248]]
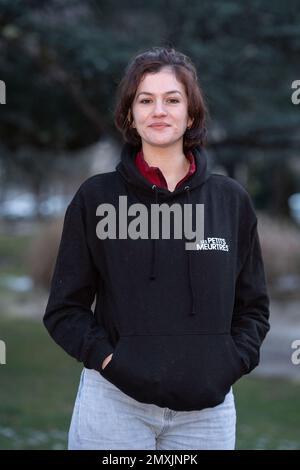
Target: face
[[153, 104]]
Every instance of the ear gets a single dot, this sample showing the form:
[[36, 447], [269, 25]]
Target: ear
[[190, 122], [130, 118]]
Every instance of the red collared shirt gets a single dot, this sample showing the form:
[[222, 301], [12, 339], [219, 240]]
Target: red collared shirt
[[154, 174]]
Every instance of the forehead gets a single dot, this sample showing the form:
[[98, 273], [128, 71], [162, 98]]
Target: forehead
[[160, 82]]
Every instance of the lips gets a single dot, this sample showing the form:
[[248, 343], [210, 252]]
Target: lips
[[159, 126]]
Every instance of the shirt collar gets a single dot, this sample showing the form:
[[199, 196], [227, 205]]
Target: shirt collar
[[155, 175]]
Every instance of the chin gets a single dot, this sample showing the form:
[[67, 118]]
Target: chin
[[160, 142]]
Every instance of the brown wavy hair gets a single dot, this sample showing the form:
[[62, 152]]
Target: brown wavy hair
[[151, 61]]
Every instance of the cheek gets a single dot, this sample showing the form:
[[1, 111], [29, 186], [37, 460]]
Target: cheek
[[181, 117], [180, 123], [142, 116]]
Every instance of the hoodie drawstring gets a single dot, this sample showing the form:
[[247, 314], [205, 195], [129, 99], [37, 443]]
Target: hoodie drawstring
[[193, 310], [154, 256], [154, 245]]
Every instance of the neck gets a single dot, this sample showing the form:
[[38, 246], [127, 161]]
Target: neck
[[170, 160]]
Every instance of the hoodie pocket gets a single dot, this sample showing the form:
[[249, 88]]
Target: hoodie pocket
[[111, 363], [129, 369], [240, 363], [183, 372]]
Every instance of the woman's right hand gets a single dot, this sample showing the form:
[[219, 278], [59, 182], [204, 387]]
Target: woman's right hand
[[106, 361]]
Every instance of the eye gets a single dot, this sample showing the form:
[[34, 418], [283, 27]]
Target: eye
[[170, 99]]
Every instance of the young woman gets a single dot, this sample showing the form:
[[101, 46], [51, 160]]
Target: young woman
[[181, 301]]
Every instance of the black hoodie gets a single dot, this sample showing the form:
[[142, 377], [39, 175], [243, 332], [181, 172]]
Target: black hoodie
[[183, 325]]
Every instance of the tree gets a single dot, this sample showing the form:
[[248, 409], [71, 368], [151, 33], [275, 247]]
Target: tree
[[62, 59]]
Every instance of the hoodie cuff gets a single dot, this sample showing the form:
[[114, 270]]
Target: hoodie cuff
[[98, 353]]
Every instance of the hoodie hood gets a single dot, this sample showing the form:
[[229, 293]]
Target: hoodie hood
[[132, 176]]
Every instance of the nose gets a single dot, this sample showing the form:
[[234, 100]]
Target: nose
[[159, 108]]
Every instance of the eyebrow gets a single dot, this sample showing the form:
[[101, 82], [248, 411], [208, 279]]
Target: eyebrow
[[166, 93]]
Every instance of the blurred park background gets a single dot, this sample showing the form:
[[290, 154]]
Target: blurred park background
[[61, 61]]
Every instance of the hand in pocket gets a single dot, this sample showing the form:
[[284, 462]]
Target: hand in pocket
[[106, 361]]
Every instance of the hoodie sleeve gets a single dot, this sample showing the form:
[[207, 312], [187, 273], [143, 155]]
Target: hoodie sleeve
[[250, 321], [68, 316]]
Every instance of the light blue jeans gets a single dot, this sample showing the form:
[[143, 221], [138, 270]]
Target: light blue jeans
[[106, 418]]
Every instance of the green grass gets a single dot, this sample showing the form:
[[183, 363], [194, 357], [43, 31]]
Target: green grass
[[268, 413], [39, 385]]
